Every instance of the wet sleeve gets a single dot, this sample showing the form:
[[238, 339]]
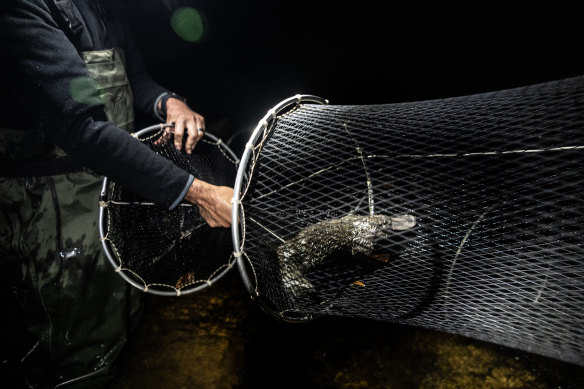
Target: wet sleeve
[[53, 81]]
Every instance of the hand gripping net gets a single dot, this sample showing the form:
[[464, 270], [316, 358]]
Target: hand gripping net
[[168, 252], [463, 215]]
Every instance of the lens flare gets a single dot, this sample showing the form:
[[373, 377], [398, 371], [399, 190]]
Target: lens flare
[[84, 90], [187, 23]]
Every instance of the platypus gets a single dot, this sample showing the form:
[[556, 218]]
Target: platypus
[[357, 234]]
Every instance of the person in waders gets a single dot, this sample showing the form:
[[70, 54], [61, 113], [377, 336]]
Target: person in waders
[[72, 80]]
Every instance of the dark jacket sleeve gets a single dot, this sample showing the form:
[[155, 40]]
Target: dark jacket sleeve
[[144, 88], [47, 73]]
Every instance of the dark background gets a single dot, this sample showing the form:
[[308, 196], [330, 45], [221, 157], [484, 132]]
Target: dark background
[[256, 53]]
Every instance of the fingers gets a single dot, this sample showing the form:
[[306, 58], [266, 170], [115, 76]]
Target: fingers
[[186, 122], [213, 202], [226, 193], [164, 137], [219, 213], [215, 220], [200, 122], [217, 217], [179, 130], [196, 130], [194, 126]]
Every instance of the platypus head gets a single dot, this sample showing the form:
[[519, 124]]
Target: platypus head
[[368, 230]]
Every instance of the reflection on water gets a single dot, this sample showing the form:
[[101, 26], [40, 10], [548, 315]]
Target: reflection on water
[[219, 338]]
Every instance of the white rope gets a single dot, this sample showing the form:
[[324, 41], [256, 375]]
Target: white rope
[[563, 148], [462, 243], [265, 228]]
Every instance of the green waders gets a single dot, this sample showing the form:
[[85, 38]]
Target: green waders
[[76, 307]]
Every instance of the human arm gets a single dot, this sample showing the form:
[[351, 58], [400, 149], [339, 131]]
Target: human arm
[[167, 107], [46, 69], [185, 121], [214, 202]]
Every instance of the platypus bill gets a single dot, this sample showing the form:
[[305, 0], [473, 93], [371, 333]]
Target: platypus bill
[[357, 234]]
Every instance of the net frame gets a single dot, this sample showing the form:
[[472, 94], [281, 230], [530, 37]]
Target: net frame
[[251, 151], [111, 251], [550, 119]]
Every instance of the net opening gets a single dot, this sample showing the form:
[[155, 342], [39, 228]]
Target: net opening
[[168, 253]]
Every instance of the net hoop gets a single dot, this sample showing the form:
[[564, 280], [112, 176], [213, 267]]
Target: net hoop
[[488, 185], [265, 125], [110, 250]]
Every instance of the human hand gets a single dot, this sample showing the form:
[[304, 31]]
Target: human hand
[[214, 202], [183, 119]]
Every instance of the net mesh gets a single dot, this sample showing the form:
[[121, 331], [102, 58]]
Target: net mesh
[[493, 183], [169, 252]]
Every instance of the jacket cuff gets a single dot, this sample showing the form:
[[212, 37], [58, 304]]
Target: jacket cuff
[[183, 193], [156, 113]]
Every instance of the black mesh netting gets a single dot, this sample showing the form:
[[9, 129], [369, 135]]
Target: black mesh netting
[[494, 182], [170, 252]]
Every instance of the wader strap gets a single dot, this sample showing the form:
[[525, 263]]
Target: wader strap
[[64, 15]]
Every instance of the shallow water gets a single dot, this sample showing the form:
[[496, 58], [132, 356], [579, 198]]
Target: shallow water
[[219, 338]]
